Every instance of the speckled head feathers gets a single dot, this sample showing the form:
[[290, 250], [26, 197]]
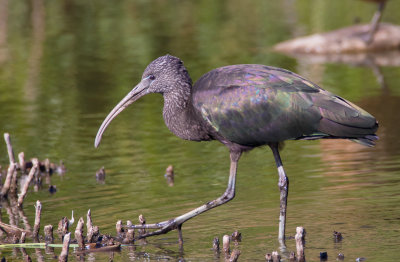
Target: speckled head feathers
[[167, 71]]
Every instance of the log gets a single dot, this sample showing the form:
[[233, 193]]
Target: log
[[350, 39]]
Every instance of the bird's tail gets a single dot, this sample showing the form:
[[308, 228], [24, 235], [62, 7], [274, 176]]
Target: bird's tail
[[343, 119]]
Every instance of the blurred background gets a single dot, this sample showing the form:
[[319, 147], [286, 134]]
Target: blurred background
[[65, 64]]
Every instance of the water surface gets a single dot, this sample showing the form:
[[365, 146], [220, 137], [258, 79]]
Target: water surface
[[65, 64]]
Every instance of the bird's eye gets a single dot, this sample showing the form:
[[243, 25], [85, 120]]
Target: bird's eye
[[152, 77]]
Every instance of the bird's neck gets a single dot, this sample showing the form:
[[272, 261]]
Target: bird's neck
[[179, 114]]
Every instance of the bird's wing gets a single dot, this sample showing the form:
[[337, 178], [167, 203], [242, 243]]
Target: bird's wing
[[255, 104]]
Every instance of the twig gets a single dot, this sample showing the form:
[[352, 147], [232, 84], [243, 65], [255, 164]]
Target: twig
[[14, 184], [79, 233], [120, 230], [64, 252], [24, 219], [23, 238], [142, 221], [226, 241], [337, 236], [236, 236], [48, 234], [235, 255], [46, 164], [21, 158], [276, 257], [180, 237], [95, 233], [9, 148], [89, 225], [36, 226], [63, 227], [130, 234], [38, 254], [11, 229], [7, 182], [300, 237], [216, 244], [28, 181]]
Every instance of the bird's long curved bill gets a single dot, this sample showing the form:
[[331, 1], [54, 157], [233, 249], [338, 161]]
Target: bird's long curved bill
[[137, 92]]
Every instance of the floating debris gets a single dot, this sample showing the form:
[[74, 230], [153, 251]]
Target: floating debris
[[292, 256], [273, 257], [216, 244], [101, 175], [52, 189], [337, 236], [169, 175], [60, 169], [323, 256], [236, 236]]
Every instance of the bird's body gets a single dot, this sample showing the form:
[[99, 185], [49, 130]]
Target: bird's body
[[246, 106], [253, 105]]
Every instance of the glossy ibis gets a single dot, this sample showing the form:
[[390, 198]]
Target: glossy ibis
[[243, 107]]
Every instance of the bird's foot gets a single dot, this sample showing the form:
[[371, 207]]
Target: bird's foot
[[160, 228]]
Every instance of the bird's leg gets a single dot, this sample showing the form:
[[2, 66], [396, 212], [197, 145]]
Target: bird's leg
[[180, 235], [176, 223], [375, 23], [284, 189]]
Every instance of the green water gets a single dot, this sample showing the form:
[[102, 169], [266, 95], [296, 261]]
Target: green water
[[65, 64]]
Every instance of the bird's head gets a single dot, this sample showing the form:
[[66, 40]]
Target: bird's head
[[161, 76]]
